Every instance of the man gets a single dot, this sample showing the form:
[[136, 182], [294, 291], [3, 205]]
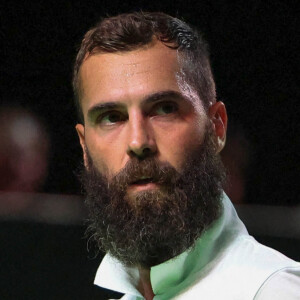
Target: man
[[151, 134]]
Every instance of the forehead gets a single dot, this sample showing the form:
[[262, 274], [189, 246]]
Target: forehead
[[153, 56], [124, 75]]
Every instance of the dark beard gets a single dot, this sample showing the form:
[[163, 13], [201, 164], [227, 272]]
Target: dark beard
[[156, 225]]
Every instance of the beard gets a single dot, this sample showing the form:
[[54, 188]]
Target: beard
[[152, 226]]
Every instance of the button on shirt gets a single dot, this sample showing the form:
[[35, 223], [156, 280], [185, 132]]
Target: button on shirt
[[225, 263]]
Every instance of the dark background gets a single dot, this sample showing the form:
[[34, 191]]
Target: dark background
[[254, 57]]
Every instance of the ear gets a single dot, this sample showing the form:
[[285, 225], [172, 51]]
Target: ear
[[80, 132], [218, 116]]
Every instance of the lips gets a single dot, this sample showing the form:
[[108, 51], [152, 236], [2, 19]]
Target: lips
[[142, 184]]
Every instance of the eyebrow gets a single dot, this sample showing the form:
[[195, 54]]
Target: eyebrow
[[102, 107], [161, 96], [152, 98]]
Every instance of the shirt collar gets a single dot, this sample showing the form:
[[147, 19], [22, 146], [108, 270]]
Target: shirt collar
[[175, 273]]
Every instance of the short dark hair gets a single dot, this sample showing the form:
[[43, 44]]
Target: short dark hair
[[127, 32]]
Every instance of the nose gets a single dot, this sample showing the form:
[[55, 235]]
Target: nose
[[141, 142]]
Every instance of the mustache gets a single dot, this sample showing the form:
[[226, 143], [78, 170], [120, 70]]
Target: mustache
[[149, 169]]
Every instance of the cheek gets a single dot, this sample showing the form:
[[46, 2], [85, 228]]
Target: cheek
[[176, 145]]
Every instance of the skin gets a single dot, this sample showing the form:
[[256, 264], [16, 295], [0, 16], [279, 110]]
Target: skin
[[134, 105]]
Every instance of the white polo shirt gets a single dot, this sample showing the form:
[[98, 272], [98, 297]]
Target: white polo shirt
[[225, 264]]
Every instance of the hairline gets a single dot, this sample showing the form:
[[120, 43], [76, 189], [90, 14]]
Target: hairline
[[179, 56]]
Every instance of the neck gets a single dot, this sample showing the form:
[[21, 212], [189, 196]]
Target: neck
[[144, 286]]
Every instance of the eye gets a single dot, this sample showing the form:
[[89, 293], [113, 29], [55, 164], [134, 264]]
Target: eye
[[165, 108], [111, 118]]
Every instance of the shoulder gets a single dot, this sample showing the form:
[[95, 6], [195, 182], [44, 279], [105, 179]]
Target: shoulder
[[254, 269], [282, 284], [245, 250], [253, 259]]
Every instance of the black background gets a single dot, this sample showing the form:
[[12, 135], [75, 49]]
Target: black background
[[255, 61]]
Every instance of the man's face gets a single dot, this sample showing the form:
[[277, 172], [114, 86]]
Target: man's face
[[150, 154]]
